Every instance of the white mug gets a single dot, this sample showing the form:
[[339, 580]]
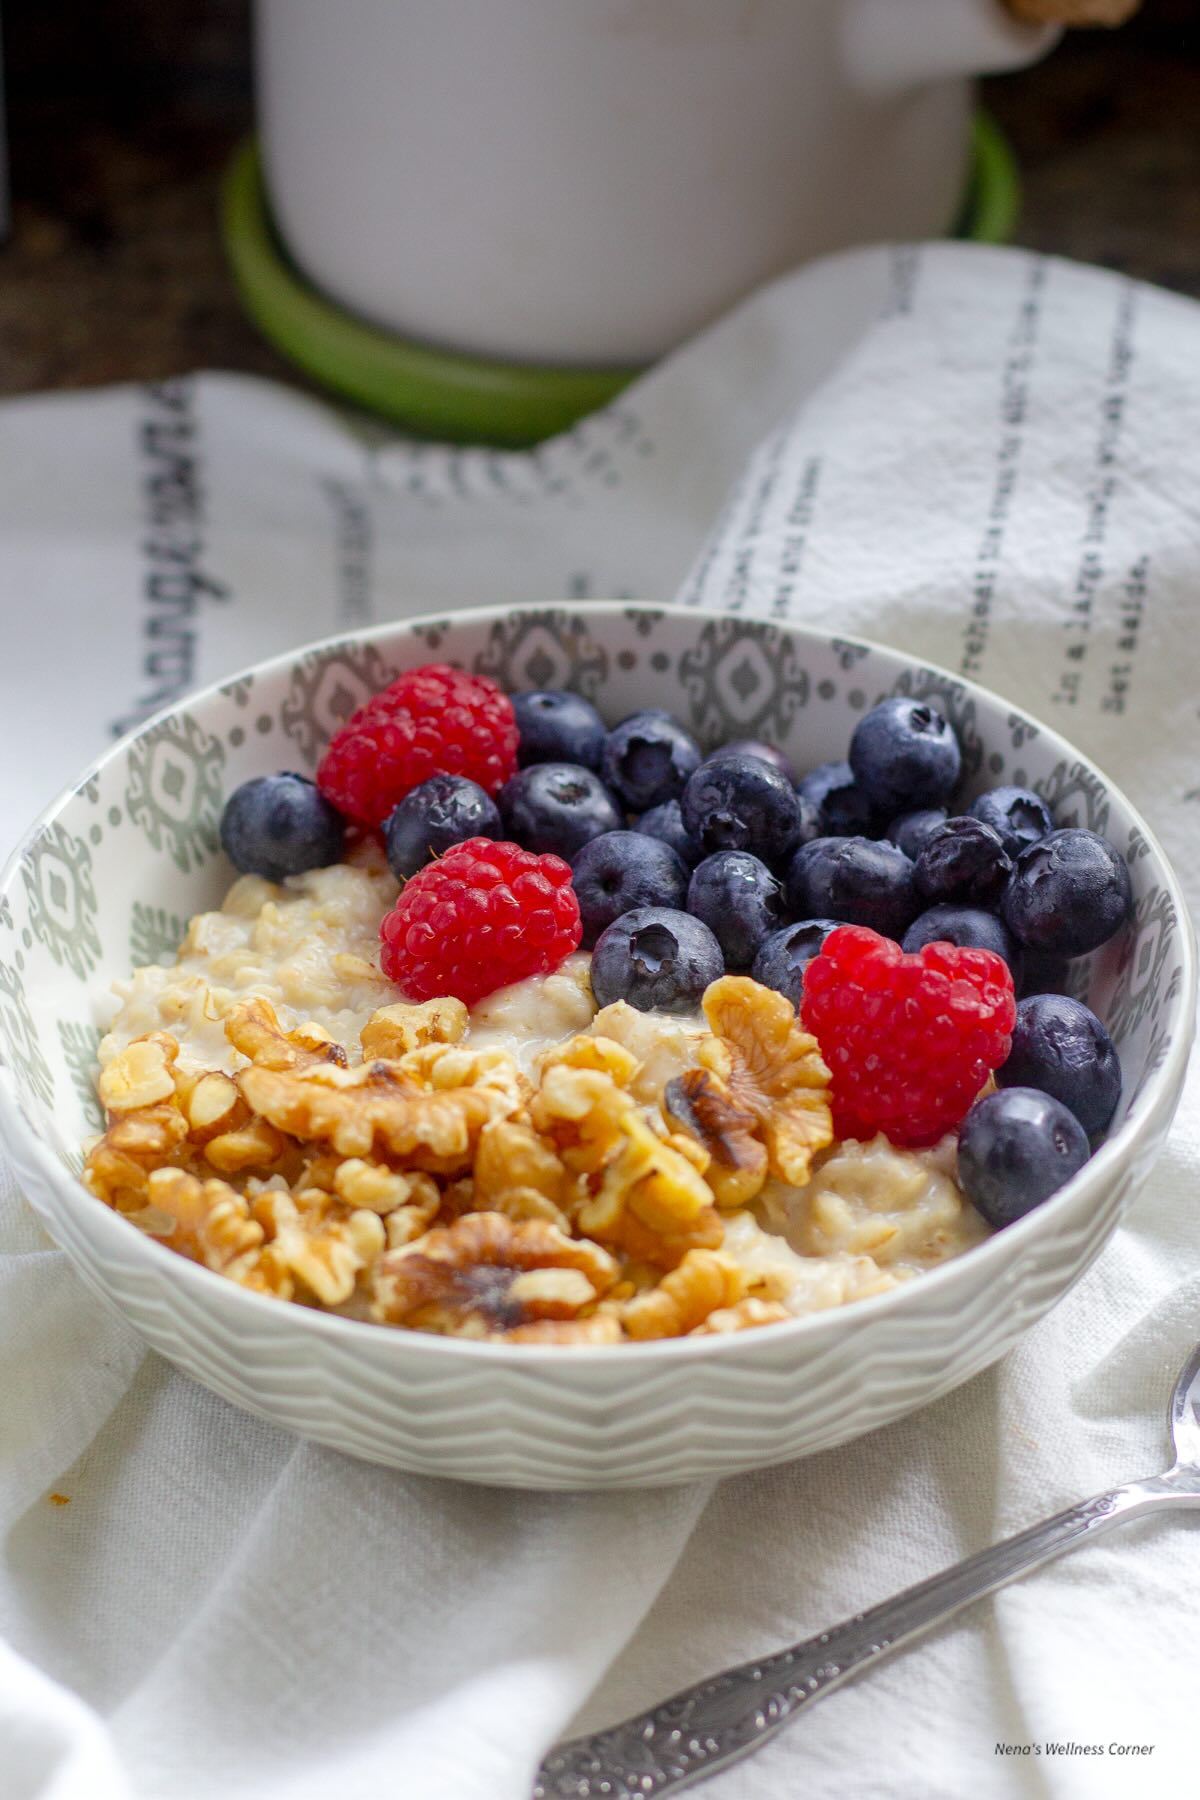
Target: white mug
[[589, 181]]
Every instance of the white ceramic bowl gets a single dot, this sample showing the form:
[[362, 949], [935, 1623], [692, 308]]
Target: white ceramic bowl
[[107, 876]]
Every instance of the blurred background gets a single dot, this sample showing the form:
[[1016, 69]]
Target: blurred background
[[122, 119]]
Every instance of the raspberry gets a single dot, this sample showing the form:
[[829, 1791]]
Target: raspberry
[[483, 915], [910, 1040], [434, 720]]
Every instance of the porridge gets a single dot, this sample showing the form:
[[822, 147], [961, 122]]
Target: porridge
[[517, 1028], [274, 1116]]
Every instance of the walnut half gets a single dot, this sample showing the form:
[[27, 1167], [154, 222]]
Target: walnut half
[[486, 1276], [772, 1067]]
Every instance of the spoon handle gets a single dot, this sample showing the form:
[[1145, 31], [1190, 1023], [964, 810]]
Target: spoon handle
[[720, 1720]]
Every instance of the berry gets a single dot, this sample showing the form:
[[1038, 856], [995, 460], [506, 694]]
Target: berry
[[557, 808], [1068, 893], [964, 861], [433, 720], [665, 822], [910, 1040], [280, 825], [743, 803], [912, 830], [970, 928], [843, 810], [1020, 816], [622, 870], [486, 914], [754, 747], [1060, 1047], [1016, 1148], [854, 879], [656, 959], [647, 758], [442, 811], [739, 900], [783, 958], [905, 755], [556, 726]]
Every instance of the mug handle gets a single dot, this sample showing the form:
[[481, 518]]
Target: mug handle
[[889, 45]]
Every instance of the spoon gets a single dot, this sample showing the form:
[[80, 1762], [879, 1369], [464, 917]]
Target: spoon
[[727, 1717]]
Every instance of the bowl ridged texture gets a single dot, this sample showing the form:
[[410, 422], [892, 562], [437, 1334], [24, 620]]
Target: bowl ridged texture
[[109, 875]]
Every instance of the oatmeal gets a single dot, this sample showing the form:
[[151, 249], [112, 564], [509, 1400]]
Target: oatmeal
[[310, 947], [532, 1168], [900, 1208]]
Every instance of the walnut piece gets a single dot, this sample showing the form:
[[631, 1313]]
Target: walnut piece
[[118, 1164], [745, 1316], [252, 1026], [317, 1240], [371, 1185], [704, 1108], [211, 1105], [512, 1155], [703, 1283], [772, 1067], [381, 1108], [394, 1030], [471, 1279], [256, 1145], [211, 1222], [140, 1075]]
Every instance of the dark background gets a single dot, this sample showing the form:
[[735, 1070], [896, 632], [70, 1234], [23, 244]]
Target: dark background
[[122, 117]]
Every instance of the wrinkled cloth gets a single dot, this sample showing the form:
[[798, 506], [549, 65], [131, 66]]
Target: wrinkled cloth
[[985, 457]]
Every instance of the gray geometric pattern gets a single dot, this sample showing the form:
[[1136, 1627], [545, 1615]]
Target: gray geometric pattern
[[57, 872], [174, 790], [324, 688]]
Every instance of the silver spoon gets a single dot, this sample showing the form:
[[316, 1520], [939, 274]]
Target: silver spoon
[[717, 1722]]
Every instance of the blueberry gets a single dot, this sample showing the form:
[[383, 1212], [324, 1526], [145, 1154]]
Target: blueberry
[[279, 825], [622, 870], [970, 928], [912, 830], [556, 726], [1068, 893], [557, 808], [843, 810], [1060, 1047], [657, 960], [755, 747], [647, 758], [905, 755], [739, 900], [1016, 1148], [743, 803], [783, 958], [963, 861], [1019, 815], [665, 822], [442, 811], [855, 880]]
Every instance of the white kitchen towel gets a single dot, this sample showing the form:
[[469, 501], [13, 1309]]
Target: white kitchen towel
[[986, 457]]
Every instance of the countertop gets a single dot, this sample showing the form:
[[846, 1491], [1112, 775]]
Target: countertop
[[122, 118]]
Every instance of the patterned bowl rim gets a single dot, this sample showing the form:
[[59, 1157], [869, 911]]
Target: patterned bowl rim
[[1160, 1089]]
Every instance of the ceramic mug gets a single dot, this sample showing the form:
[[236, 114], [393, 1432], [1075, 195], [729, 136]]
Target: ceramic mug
[[590, 181]]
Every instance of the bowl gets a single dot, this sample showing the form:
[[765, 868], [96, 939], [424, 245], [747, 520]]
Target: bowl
[[109, 874]]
